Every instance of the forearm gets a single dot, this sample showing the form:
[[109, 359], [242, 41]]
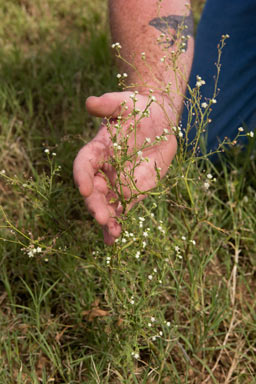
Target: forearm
[[137, 26]]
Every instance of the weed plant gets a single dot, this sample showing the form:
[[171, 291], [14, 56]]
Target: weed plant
[[173, 300]]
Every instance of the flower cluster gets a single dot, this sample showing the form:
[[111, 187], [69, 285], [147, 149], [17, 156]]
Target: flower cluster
[[47, 151], [199, 81], [116, 45], [31, 251]]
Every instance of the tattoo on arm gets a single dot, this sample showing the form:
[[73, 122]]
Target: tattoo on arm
[[174, 22]]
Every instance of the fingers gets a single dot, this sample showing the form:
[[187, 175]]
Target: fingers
[[91, 157], [109, 104], [105, 212], [112, 231], [87, 163]]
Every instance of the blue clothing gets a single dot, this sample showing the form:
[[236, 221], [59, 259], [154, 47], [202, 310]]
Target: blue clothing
[[236, 101]]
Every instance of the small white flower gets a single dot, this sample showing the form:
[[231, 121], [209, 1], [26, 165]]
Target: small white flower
[[124, 240], [209, 176], [141, 218], [168, 324], [193, 242], [115, 145], [125, 74], [153, 319], [155, 270], [183, 238], [145, 234], [166, 130], [154, 338], [139, 153], [214, 101], [39, 249], [53, 154], [136, 356], [46, 150], [150, 277], [119, 75], [204, 105], [251, 134], [149, 325], [153, 98], [177, 249], [3, 172], [240, 129], [148, 140], [30, 254], [180, 134], [132, 301], [161, 333], [206, 185], [144, 244]]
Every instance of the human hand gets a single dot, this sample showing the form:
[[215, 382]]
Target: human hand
[[94, 174]]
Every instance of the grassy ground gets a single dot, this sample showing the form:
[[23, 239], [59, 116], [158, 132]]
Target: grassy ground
[[76, 311]]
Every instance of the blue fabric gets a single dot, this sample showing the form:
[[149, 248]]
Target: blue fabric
[[236, 101]]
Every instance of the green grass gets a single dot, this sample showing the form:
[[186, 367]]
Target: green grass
[[78, 311]]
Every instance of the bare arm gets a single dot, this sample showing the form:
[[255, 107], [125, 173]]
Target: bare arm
[[136, 25]]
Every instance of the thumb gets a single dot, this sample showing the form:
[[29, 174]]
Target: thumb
[[109, 104]]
